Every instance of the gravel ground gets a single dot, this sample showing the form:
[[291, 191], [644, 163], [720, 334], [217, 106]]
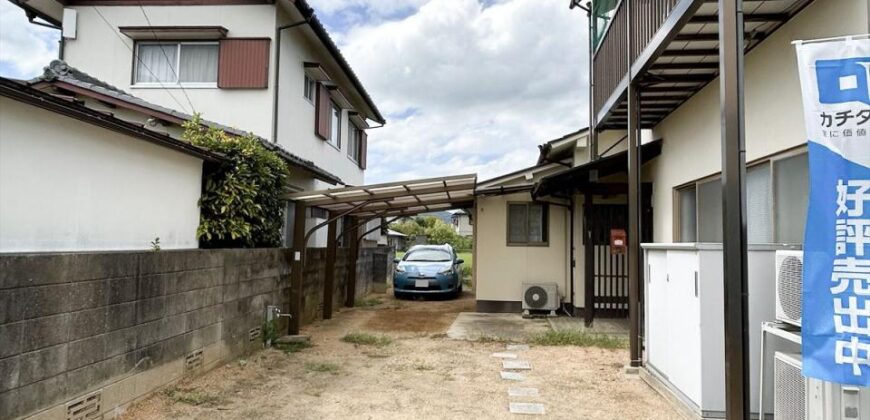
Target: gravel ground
[[420, 375]]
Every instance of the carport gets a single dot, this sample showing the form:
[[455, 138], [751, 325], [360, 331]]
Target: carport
[[360, 205]]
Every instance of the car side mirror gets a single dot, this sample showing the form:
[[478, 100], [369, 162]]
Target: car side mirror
[[397, 260], [460, 261]]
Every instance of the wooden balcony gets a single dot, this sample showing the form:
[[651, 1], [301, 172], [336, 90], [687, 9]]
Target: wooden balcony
[[670, 49]]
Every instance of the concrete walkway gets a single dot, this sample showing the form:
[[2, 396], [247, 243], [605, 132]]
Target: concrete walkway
[[474, 326], [617, 327]]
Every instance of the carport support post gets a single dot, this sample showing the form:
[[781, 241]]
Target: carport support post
[[634, 225], [329, 276], [734, 209], [296, 268], [350, 294]]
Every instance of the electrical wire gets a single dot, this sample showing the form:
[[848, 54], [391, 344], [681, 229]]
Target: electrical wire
[[174, 72], [139, 60]]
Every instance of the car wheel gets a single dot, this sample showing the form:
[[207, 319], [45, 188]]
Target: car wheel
[[399, 295]]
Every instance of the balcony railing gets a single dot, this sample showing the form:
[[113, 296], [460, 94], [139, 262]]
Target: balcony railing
[[611, 62]]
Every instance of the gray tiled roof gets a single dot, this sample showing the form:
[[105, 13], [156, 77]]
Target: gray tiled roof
[[61, 71]]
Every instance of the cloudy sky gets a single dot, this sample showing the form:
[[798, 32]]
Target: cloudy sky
[[465, 85]]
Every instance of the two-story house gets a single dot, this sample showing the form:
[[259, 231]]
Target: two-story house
[[260, 66]]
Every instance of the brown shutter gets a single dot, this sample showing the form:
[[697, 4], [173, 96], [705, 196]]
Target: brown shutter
[[322, 113], [244, 63], [363, 148]]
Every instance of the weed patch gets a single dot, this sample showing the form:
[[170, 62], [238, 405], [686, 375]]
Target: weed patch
[[293, 347], [322, 367], [364, 339], [364, 303], [192, 396], [578, 338]]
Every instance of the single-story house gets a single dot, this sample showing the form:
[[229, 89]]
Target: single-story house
[[74, 178], [397, 240]]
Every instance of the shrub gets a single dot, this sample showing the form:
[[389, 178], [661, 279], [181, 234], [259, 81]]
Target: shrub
[[241, 204]]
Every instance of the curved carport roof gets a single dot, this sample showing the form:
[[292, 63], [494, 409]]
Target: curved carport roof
[[401, 198]]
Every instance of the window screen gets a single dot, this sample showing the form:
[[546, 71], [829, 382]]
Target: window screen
[[688, 214], [759, 224], [791, 189], [198, 63], [335, 126], [517, 223], [177, 63], [353, 143], [710, 211]]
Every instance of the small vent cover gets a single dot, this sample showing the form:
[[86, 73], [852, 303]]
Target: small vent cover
[[85, 408], [790, 273], [253, 334], [789, 399], [535, 297], [193, 360]]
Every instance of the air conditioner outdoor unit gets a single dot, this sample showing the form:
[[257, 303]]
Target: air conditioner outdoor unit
[[789, 283], [541, 297], [830, 401], [790, 387]]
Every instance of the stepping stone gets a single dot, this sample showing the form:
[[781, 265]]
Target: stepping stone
[[517, 347], [516, 365], [527, 408], [522, 392], [513, 376], [505, 355]]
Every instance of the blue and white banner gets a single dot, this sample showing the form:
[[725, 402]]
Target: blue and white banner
[[835, 82]]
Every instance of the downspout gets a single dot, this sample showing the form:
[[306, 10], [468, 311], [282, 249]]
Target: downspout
[[277, 81]]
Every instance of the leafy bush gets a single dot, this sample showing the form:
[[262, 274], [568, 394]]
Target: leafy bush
[[437, 231], [241, 204]]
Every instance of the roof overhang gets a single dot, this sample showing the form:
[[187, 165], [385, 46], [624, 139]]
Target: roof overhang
[[198, 33], [576, 178], [403, 198]]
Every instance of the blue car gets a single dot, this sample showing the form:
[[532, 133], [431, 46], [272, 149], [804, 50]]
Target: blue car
[[428, 270]]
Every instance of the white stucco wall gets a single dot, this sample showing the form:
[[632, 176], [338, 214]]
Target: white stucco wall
[[106, 54], [66, 185], [296, 114], [501, 269], [774, 115]]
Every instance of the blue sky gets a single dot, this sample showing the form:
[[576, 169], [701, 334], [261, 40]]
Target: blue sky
[[466, 85]]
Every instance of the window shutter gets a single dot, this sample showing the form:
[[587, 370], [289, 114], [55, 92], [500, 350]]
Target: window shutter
[[363, 148], [244, 64], [322, 113]]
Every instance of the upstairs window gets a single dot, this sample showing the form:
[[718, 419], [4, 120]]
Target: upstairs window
[[335, 125], [310, 89], [177, 63], [528, 224], [353, 143]]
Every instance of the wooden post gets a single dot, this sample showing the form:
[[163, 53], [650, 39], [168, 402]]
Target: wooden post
[[634, 259], [296, 275], [351, 266], [588, 263], [329, 276]]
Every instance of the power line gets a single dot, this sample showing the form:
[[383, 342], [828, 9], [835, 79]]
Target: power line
[[177, 77], [112, 28]]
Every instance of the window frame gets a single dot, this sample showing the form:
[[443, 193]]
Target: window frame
[[774, 205], [309, 89], [545, 228], [176, 66], [354, 143], [334, 139]]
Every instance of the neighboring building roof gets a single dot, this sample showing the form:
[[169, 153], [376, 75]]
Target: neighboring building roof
[[561, 148], [65, 76], [516, 181], [20, 91], [319, 30], [391, 232]]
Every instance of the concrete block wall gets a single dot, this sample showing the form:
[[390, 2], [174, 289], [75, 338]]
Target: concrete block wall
[[105, 329]]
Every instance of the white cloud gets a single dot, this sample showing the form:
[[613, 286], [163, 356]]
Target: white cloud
[[24, 48], [486, 84]]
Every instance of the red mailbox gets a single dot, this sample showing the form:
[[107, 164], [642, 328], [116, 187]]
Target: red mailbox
[[618, 241]]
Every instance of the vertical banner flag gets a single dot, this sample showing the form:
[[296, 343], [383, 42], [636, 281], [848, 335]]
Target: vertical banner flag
[[835, 323]]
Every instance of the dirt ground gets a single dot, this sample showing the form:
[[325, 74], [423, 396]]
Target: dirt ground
[[420, 375]]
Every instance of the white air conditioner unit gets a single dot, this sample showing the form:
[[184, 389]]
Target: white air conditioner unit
[[540, 297], [789, 387], [789, 284], [830, 401]]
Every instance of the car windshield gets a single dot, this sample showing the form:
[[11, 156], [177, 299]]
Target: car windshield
[[430, 255]]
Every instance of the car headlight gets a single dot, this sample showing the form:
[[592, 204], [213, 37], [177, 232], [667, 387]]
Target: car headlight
[[400, 269], [446, 271]]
